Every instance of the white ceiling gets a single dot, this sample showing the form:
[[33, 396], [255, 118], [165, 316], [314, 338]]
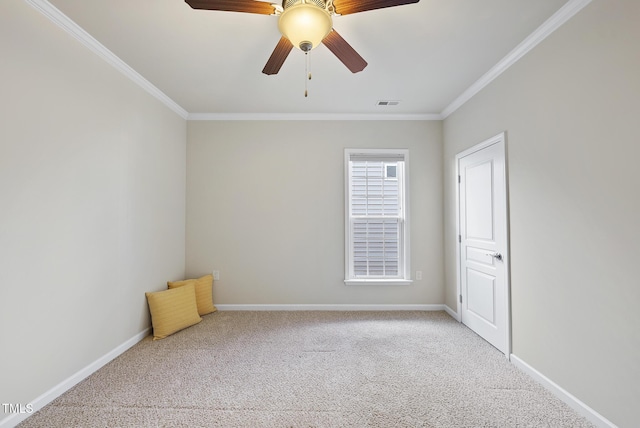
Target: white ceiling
[[425, 55]]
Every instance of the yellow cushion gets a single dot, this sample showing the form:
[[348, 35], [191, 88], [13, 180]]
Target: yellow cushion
[[204, 292], [173, 310]]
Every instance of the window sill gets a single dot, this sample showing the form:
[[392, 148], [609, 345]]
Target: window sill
[[378, 281]]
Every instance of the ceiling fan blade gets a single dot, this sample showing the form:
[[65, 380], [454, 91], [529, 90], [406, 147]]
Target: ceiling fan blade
[[344, 52], [279, 54], [248, 6], [345, 7]]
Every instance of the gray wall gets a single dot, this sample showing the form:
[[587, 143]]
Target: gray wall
[[570, 109], [92, 189], [92, 185], [265, 206]]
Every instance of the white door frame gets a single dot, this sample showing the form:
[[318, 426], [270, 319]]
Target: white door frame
[[499, 139]]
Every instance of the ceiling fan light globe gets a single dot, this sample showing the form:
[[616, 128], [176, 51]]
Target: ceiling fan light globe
[[305, 23]]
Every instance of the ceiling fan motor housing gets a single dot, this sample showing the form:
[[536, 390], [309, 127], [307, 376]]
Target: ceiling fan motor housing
[[288, 3]]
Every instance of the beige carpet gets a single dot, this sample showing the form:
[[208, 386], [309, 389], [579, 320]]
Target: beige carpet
[[311, 369]]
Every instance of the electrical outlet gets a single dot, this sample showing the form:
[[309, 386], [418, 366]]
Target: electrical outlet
[[216, 275], [418, 275]]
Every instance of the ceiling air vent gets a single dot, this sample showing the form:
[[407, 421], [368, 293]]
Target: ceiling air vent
[[387, 103]]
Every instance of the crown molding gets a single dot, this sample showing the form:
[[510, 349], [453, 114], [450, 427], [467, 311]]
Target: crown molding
[[310, 116], [64, 22], [68, 25], [563, 14]]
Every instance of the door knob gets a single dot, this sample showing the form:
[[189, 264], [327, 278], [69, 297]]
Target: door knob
[[495, 255]]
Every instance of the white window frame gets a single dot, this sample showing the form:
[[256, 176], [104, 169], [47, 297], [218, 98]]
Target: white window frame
[[404, 270]]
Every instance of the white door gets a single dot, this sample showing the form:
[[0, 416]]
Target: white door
[[483, 253]]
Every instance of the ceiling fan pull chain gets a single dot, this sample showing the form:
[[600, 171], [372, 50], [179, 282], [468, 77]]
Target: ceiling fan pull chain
[[307, 74]]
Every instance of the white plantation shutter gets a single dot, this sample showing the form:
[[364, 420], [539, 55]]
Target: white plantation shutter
[[376, 215]]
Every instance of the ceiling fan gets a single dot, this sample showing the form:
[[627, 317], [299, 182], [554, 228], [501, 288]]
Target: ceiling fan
[[305, 24]]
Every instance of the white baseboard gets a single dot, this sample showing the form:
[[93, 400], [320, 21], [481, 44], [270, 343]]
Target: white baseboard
[[452, 313], [345, 307], [594, 417], [46, 398]]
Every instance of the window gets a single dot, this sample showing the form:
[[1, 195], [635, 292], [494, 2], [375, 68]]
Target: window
[[376, 238]]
